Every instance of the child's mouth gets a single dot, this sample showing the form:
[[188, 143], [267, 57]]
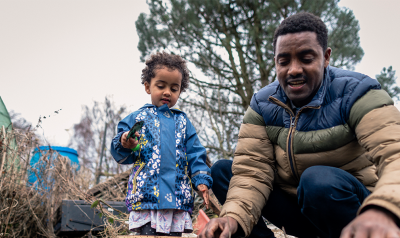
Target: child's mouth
[[165, 101]]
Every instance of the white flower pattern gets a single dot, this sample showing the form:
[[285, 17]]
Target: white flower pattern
[[183, 198]]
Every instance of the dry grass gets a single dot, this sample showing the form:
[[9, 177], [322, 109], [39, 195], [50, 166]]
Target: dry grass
[[29, 210]]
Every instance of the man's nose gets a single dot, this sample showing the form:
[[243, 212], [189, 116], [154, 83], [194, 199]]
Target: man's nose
[[295, 68]]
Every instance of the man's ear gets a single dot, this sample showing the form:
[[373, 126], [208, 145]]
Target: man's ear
[[147, 87], [327, 56]]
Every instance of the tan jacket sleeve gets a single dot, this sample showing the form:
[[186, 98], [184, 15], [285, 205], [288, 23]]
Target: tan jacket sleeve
[[252, 179], [379, 133]]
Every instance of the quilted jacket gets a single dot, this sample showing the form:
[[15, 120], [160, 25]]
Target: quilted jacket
[[168, 162], [350, 124]]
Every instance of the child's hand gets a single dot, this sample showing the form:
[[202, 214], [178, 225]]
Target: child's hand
[[204, 193], [131, 143]]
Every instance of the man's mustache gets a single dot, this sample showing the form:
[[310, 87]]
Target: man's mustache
[[296, 77]]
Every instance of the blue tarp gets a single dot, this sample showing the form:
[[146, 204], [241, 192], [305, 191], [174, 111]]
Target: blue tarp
[[37, 163]]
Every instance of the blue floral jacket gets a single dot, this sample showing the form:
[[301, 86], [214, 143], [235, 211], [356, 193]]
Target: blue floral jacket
[[169, 161]]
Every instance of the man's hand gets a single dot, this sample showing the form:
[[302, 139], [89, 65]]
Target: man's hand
[[374, 223], [219, 227], [131, 143], [203, 190]]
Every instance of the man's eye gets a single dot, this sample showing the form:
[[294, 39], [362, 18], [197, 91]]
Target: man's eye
[[283, 62], [308, 60]]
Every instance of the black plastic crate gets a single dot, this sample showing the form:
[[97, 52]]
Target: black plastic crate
[[76, 218]]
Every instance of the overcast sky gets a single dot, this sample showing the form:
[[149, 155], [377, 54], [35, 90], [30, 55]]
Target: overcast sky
[[64, 54]]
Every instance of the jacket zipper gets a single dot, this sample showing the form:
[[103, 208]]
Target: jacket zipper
[[289, 145], [293, 125], [190, 181], [134, 178], [292, 129]]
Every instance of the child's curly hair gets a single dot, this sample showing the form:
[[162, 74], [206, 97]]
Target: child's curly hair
[[160, 60]]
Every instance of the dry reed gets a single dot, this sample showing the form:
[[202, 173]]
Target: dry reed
[[29, 210]]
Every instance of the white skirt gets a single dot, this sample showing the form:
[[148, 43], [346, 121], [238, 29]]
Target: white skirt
[[164, 221]]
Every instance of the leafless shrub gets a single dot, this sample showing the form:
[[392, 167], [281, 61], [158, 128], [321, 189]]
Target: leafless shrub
[[92, 137], [28, 210]]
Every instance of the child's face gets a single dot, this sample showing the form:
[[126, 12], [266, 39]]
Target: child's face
[[165, 87]]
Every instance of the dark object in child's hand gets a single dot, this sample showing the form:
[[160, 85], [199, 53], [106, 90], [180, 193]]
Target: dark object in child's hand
[[138, 125]]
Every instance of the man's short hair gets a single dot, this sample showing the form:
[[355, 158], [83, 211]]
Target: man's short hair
[[301, 22]]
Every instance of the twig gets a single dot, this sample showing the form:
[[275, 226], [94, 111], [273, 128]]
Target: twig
[[284, 232], [4, 155], [16, 203]]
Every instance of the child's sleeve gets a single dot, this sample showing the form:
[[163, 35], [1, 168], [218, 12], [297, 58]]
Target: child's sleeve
[[121, 154], [196, 154]]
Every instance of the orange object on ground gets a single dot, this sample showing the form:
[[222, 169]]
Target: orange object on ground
[[201, 221]]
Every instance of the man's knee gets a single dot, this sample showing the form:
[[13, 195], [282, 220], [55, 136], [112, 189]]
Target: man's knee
[[221, 170], [317, 176], [317, 181]]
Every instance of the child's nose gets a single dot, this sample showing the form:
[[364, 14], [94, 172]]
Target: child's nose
[[167, 92]]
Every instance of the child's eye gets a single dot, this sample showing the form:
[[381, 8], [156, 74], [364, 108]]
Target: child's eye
[[160, 86], [174, 89]]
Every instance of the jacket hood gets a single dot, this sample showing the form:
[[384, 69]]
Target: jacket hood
[[162, 108]]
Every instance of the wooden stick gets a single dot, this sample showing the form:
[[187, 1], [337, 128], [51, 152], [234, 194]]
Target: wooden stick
[[215, 206], [284, 232], [4, 155]]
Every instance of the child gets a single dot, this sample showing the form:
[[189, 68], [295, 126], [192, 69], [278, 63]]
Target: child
[[170, 159]]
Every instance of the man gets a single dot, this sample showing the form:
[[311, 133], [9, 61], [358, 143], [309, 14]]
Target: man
[[312, 148]]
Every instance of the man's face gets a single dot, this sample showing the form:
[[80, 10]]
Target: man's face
[[300, 63]]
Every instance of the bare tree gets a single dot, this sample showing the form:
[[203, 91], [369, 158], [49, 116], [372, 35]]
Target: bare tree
[[93, 134]]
